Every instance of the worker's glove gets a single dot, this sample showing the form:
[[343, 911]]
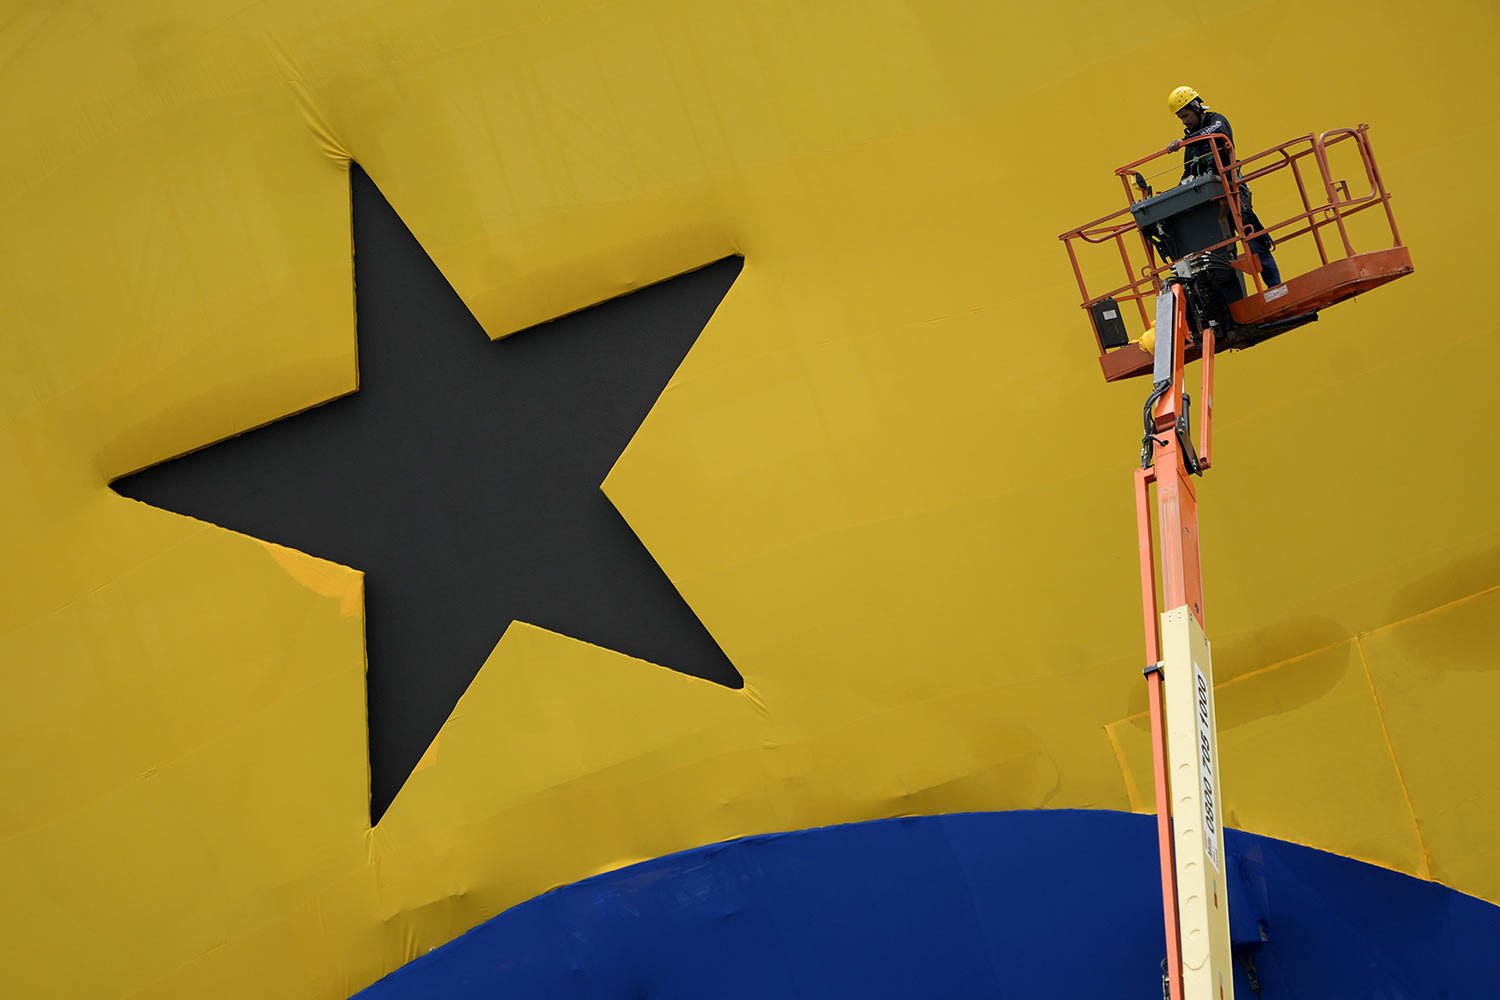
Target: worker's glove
[[1174, 145]]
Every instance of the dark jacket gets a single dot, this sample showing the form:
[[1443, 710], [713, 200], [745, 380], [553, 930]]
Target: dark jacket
[[1198, 157]]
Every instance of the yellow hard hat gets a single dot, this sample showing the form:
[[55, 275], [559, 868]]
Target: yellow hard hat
[[1181, 98]]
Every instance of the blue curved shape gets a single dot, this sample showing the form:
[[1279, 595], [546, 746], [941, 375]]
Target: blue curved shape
[[1044, 904]]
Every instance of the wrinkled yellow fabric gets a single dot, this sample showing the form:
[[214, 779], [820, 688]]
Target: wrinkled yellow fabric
[[888, 477]]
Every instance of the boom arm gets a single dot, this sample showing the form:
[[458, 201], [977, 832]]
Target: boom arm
[[1179, 671]]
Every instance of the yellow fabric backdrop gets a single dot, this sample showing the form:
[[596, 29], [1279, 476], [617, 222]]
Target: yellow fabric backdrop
[[888, 477]]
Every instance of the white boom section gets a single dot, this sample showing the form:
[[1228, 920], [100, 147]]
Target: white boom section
[[1193, 764]]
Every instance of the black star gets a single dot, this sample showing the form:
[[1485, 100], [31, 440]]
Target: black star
[[463, 479]]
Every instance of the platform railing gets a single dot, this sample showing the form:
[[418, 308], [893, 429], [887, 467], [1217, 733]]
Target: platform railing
[[1324, 202]]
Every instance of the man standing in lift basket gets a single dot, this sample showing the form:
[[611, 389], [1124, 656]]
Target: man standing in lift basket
[[1198, 159]]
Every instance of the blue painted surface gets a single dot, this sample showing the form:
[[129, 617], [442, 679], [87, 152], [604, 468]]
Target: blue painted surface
[[971, 905]]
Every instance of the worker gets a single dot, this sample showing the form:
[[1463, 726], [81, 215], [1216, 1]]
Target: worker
[[1198, 159]]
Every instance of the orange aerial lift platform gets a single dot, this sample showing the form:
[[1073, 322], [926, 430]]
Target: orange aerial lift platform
[[1186, 249]]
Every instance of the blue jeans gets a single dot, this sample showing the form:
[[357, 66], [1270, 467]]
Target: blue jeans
[[1261, 245]]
